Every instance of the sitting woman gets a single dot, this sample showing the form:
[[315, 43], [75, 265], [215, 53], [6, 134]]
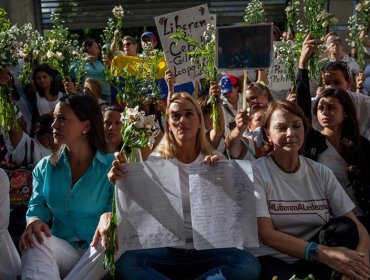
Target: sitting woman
[[47, 95], [338, 143], [112, 128], [71, 189], [185, 141], [31, 150], [93, 88], [10, 262], [305, 219]]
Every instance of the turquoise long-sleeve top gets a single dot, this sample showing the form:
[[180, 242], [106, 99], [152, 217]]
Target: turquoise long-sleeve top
[[75, 212]]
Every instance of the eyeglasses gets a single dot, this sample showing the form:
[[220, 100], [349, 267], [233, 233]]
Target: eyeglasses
[[127, 44]]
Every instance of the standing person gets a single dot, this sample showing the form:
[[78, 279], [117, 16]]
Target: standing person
[[129, 45], [335, 52], [185, 141], [65, 187], [94, 68], [148, 37], [305, 219], [10, 262]]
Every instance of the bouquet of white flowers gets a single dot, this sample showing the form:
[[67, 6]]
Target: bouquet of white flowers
[[358, 23], [8, 57], [254, 13], [138, 131]]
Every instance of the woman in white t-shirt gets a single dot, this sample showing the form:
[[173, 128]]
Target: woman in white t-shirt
[[185, 141], [46, 96], [10, 262], [22, 149], [305, 219]]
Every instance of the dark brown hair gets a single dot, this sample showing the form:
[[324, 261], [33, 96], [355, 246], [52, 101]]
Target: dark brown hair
[[85, 108]]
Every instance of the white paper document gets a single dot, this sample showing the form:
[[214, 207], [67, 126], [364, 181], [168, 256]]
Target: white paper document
[[149, 206], [223, 208], [150, 212]]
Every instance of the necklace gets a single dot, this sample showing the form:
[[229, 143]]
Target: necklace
[[284, 170]]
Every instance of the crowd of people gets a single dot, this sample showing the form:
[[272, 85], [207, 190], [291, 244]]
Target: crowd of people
[[309, 155]]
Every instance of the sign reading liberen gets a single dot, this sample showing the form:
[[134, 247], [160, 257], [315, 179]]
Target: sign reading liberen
[[193, 22], [277, 75]]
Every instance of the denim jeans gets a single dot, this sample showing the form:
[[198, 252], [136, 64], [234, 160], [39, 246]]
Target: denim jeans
[[172, 263]]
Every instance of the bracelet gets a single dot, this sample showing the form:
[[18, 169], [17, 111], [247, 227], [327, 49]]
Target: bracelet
[[308, 256]]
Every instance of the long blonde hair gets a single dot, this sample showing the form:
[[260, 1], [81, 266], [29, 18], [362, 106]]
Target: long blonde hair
[[167, 149]]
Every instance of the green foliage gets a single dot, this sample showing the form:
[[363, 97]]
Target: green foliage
[[4, 21], [8, 117], [358, 23], [254, 13], [203, 56]]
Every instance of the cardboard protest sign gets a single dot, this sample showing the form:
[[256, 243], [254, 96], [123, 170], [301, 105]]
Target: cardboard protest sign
[[244, 46], [277, 75], [194, 22]]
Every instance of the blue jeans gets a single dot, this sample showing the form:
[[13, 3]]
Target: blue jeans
[[172, 263]]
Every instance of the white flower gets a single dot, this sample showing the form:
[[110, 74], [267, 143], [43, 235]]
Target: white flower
[[59, 56], [333, 20], [325, 23], [118, 11], [49, 54]]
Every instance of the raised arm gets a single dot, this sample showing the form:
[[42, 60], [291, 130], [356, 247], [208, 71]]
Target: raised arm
[[302, 83], [215, 135], [170, 81], [233, 139]]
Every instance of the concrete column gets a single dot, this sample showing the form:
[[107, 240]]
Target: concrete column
[[20, 11]]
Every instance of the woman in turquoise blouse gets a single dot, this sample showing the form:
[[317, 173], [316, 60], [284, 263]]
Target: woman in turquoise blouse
[[70, 190]]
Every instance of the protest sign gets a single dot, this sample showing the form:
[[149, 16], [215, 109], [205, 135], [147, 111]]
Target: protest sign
[[277, 75], [244, 46], [193, 22]]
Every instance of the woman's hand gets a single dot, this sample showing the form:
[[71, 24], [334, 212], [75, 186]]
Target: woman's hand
[[351, 264], [360, 79], [212, 159], [36, 227], [102, 231], [241, 120], [308, 47], [214, 89], [170, 81], [68, 85], [117, 171]]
